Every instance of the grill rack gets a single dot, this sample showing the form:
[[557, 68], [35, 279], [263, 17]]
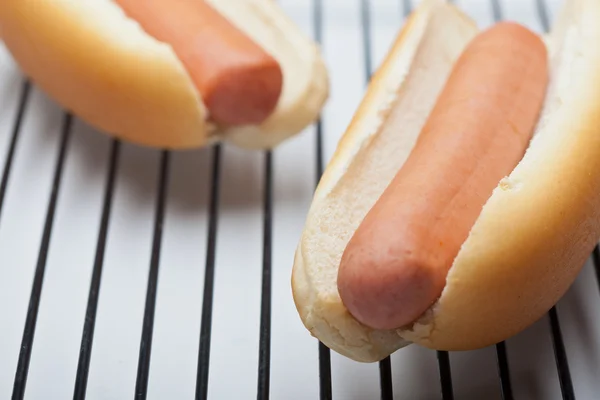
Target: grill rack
[[204, 353]]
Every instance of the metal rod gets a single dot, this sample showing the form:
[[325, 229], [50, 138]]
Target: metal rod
[[87, 339], [325, 392], [209, 279], [10, 155], [385, 379], [141, 384], [264, 356], [38, 280], [406, 7], [504, 372], [596, 259], [445, 375], [560, 354]]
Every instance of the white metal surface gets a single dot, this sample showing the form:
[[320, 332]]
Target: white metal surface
[[237, 290]]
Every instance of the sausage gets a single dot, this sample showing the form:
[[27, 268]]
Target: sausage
[[395, 264], [239, 82]]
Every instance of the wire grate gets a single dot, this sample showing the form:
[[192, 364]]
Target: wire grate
[[331, 373], [87, 340], [141, 384], [206, 324], [13, 141], [264, 360], [38, 280]]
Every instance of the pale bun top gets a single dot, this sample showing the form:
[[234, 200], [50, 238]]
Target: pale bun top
[[533, 235], [99, 64]]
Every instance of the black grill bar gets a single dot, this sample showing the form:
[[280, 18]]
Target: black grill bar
[[564, 376], [562, 364], [385, 366], [543, 15], [209, 278], [497, 10], [38, 280], [385, 379], [445, 375], [325, 392], [264, 356], [318, 37], [324, 372], [87, 339], [141, 384], [366, 36], [503, 371], [596, 259], [10, 155]]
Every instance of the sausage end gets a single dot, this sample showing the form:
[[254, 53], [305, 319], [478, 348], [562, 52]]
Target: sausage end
[[245, 95], [393, 294]]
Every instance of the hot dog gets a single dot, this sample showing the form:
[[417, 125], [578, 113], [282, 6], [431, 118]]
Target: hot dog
[[239, 81], [396, 263], [529, 229], [172, 74]]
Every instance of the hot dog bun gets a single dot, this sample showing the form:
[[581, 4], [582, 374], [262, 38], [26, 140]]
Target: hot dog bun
[[101, 65], [535, 231]]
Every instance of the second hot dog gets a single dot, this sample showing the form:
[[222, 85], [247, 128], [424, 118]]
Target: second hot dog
[[395, 265], [175, 74], [239, 82], [401, 185]]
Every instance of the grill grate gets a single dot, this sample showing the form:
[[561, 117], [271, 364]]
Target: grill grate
[[333, 372], [87, 339], [209, 279], [40, 269]]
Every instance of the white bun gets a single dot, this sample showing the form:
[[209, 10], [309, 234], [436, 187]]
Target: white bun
[[100, 64], [534, 233]]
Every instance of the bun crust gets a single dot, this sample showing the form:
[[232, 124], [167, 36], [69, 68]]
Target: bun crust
[[98, 63], [532, 236]]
